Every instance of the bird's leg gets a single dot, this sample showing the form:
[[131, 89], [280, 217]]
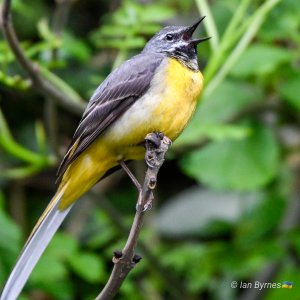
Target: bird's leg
[[156, 145], [132, 177]]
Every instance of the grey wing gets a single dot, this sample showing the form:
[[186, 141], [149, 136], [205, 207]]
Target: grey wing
[[113, 97]]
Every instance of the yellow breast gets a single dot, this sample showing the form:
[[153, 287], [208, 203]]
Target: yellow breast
[[179, 99], [166, 107]]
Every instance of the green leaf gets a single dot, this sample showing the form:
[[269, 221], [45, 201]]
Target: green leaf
[[37, 161], [58, 289], [76, 47], [287, 23], [51, 266], [125, 43], [88, 266], [47, 34], [41, 137], [237, 164], [221, 132], [156, 13], [22, 172], [260, 219], [2, 274], [187, 259], [48, 269], [223, 104], [127, 14], [295, 239], [2, 199], [10, 241], [63, 246], [111, 31], [61, 85], [290, 91], [6, 55], [15, 82], [246, 261], [129, 23], [202, 212], [260, 60], [179, 257]]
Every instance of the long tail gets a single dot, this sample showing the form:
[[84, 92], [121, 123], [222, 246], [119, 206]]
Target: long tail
[[34, 248]]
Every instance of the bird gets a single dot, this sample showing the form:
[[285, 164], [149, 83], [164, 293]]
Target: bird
[[156, 90]]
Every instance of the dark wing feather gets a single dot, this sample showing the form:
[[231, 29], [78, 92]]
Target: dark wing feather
[[113, 97]]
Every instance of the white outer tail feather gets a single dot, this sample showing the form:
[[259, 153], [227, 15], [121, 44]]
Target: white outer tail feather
[[34, 248]]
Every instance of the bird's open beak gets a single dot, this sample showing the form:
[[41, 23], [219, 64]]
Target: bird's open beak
[[189, 32]]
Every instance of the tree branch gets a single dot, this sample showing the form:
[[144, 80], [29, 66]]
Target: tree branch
[[44, 86], [175, 285], [156, 147]]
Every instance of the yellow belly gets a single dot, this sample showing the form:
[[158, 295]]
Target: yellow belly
[[179, 99], [166, 107]]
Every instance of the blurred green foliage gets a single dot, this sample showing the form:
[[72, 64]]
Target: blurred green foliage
[[227, 206]]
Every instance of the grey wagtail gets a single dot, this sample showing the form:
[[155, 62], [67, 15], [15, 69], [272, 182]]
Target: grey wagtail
[[155, 91]]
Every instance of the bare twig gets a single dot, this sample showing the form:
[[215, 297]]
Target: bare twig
[[175, 286], [156, 148], [44, 86]]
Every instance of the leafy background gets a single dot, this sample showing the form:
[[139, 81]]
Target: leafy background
[[227, 205]]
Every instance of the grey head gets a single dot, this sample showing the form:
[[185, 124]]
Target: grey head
[[177, 42]]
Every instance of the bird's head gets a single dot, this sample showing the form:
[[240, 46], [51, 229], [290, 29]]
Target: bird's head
[[177, 42]]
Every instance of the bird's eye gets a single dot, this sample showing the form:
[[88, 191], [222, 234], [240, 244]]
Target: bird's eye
[[169, 37]]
